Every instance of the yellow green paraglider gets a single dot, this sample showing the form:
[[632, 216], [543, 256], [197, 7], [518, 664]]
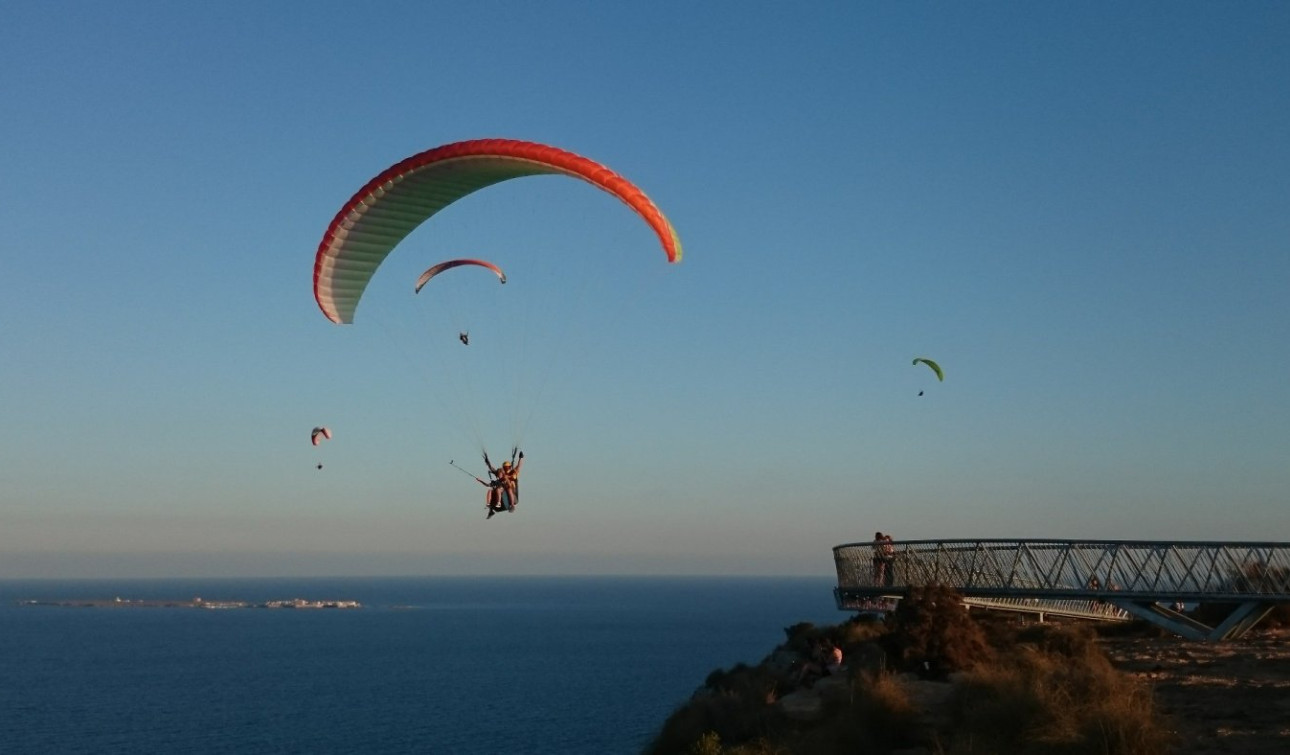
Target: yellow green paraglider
[[940, 375]]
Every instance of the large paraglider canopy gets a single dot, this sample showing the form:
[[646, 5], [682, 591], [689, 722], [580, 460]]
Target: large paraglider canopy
[[376, 219]]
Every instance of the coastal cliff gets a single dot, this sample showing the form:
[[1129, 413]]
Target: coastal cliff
[[931, 679]]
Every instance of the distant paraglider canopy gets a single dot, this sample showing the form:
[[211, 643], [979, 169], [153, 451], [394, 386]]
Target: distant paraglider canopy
[[376, 219], [940, 375], [318, 435], [450, 264]]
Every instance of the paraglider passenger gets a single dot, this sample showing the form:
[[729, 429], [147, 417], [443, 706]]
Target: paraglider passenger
[[464, 337], [494, 485], [493, 498]]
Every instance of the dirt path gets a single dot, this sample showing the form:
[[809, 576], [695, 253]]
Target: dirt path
[[1229, 697]]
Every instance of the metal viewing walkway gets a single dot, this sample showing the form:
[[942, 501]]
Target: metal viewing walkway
[[1106, 580]]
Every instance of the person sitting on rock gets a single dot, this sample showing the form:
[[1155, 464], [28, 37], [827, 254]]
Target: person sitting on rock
[[825, 660], [833, 660]]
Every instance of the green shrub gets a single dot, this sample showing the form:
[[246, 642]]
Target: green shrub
[[733, 707]]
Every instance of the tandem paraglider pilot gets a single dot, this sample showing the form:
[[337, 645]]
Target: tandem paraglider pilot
[[504, 487]]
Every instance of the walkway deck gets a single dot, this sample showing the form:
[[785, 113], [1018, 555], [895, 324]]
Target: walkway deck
[[1089, 579]]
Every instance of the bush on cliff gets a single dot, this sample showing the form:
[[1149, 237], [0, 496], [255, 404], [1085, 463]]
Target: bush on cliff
[[1034, 690], [932, 635]]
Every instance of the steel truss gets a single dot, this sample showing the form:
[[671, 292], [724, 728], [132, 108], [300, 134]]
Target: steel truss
[[1095, 579]]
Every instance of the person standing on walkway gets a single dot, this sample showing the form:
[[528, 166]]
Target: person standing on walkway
[[879, 562], [888, 561]]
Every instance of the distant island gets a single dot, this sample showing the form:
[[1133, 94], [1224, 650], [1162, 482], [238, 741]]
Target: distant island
[[193, 603]]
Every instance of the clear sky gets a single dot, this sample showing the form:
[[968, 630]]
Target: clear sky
[[1081, 210]]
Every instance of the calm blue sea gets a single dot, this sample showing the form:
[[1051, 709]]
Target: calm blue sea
[[435, 665]]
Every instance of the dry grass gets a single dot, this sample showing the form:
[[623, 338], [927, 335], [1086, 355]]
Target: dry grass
[[878, 717], [1060, 695]]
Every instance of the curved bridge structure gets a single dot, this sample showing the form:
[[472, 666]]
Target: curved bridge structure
[[1090, 579]]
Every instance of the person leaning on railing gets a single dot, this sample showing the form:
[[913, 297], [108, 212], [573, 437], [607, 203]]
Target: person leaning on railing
[[879, 560], [888, 560]]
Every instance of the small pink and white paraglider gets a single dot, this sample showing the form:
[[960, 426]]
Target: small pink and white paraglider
[[318, 435]]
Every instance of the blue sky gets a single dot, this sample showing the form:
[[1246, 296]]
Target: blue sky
[[1079, 210]]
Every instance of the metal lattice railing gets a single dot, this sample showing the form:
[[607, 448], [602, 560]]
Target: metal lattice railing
[[1092, 569]]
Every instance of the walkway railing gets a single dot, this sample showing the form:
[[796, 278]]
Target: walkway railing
[[1109, 578]]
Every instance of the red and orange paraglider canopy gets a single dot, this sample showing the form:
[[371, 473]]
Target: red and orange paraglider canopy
[[394, 203]]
